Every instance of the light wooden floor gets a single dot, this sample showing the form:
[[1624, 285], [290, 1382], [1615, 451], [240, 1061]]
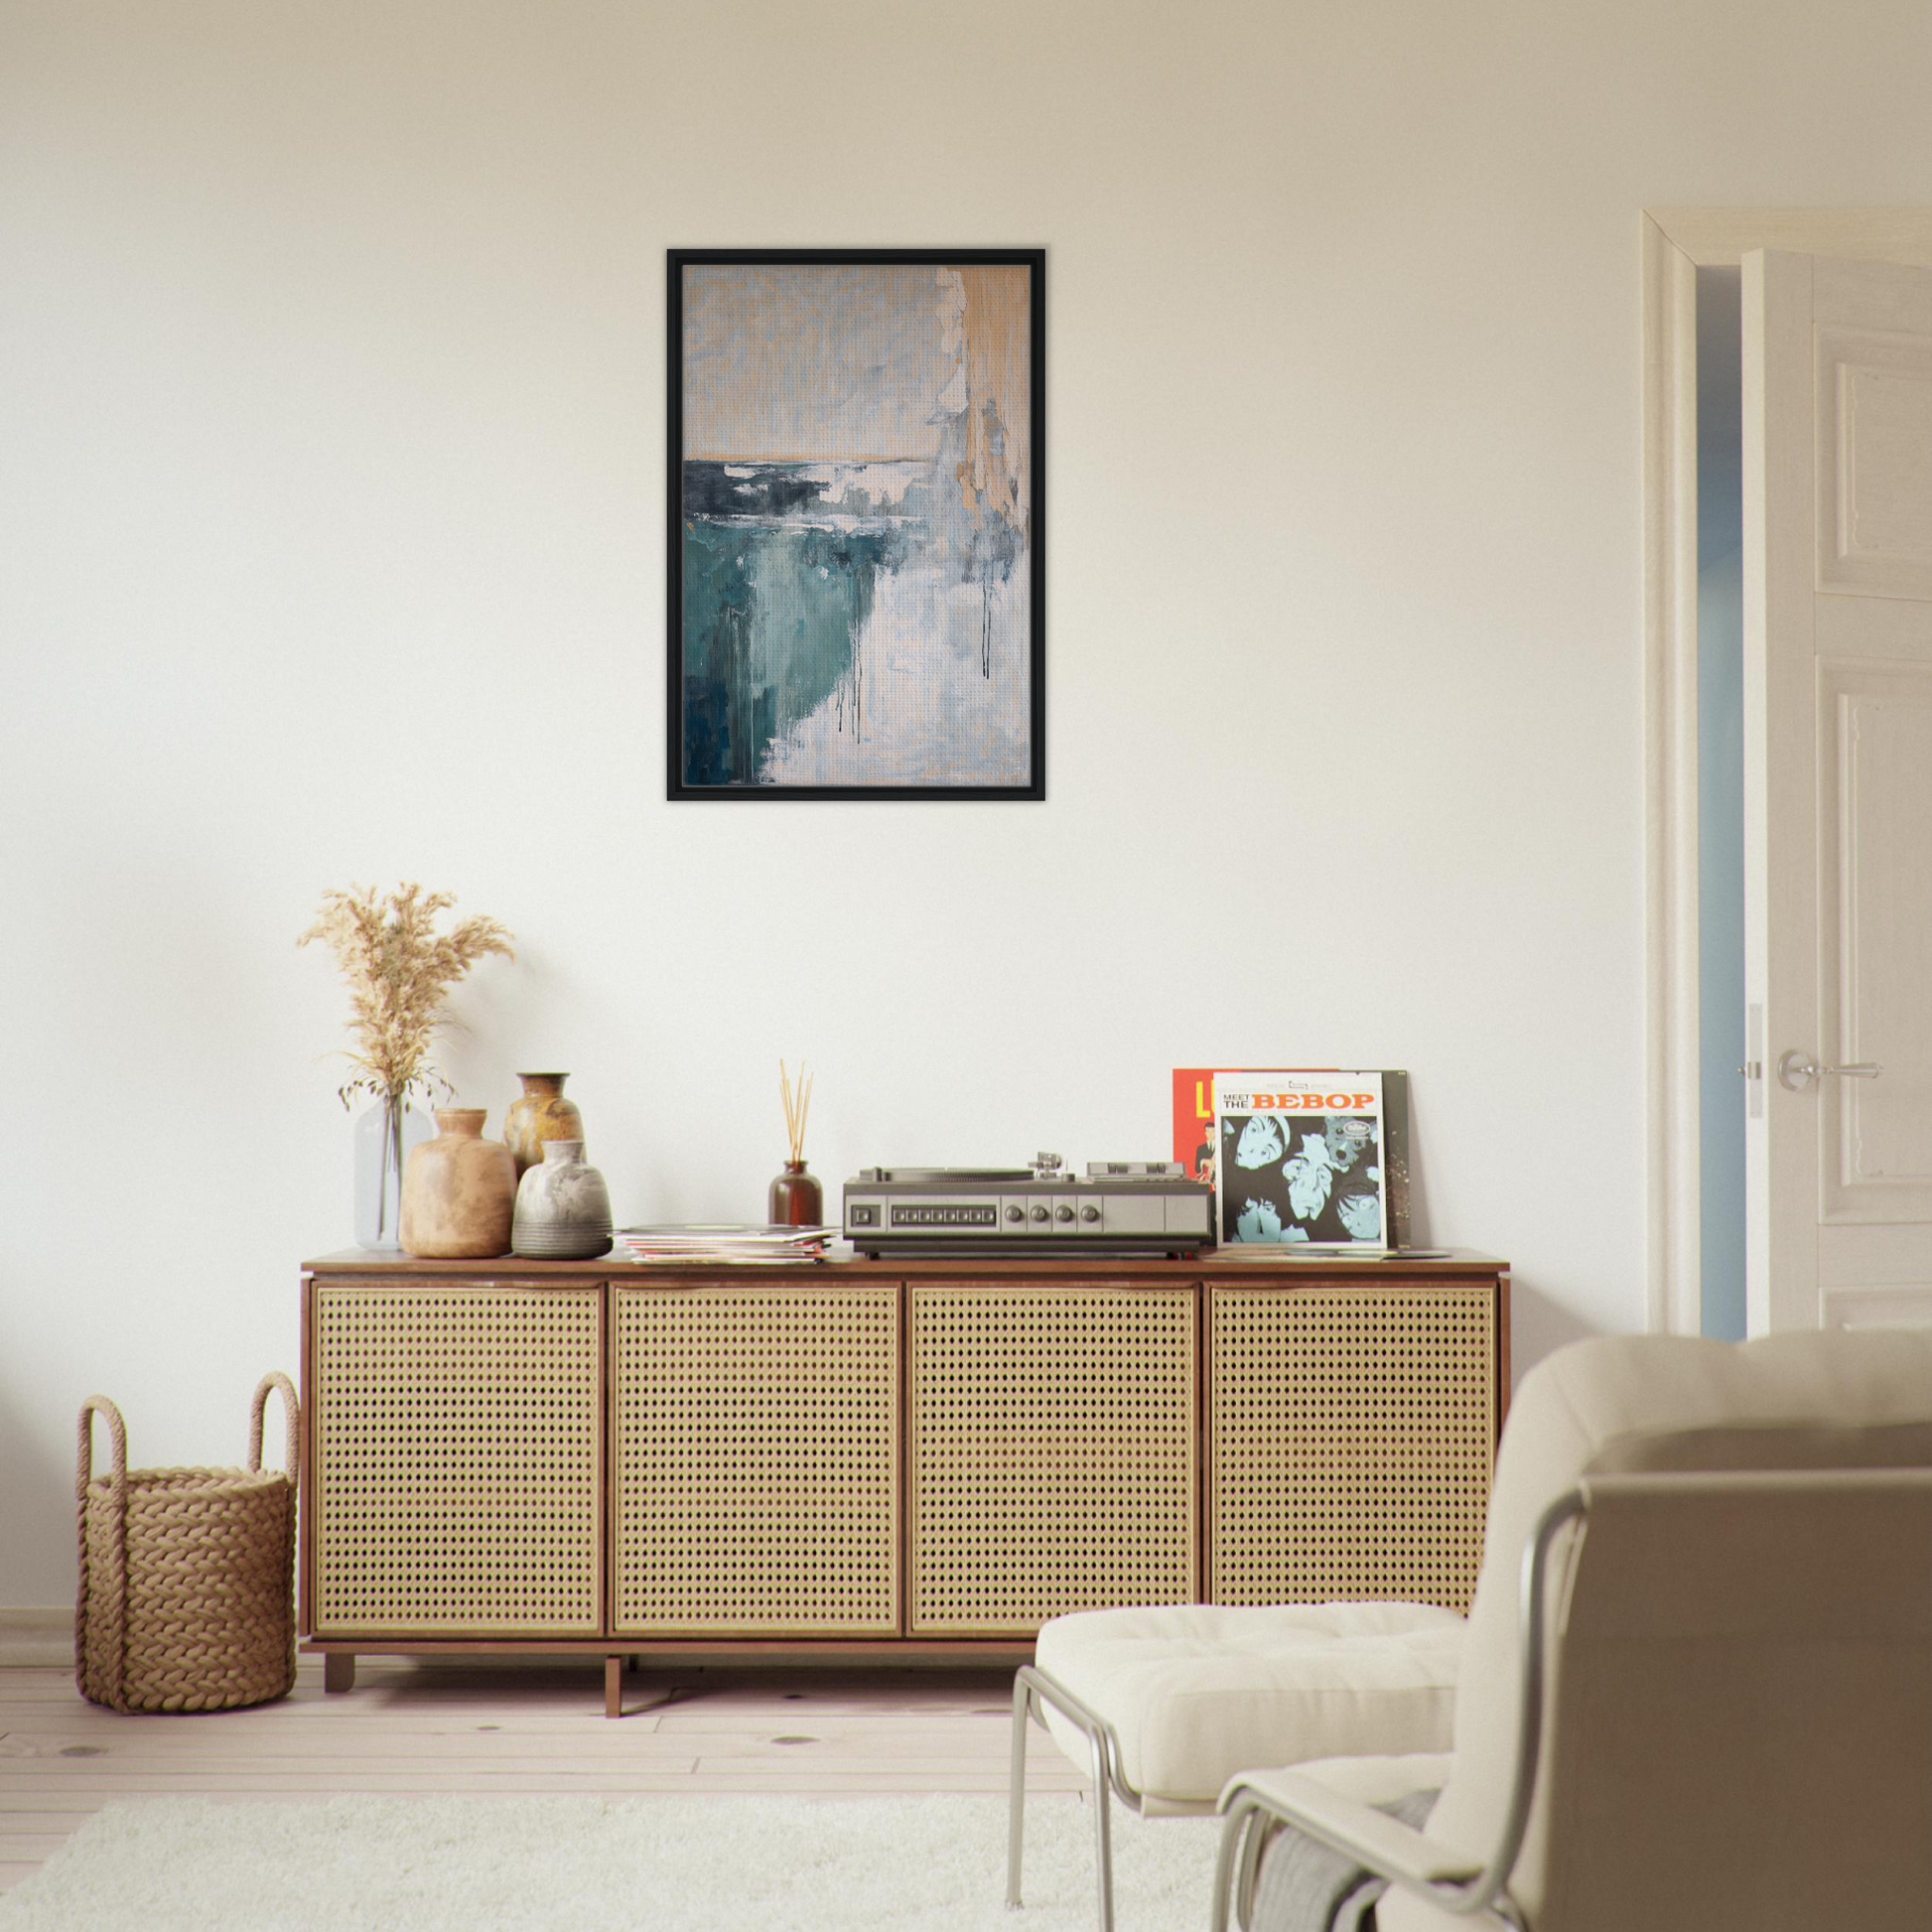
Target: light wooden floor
[[509, 1728]]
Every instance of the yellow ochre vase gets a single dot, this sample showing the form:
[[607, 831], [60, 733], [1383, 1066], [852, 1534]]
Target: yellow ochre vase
[[540, 1114]]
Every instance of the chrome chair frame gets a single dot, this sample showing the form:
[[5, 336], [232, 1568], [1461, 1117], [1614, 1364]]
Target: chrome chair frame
[[1253, 1816], [1032, 1688]]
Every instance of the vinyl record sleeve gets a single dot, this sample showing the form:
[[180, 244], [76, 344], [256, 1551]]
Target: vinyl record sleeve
[[1196, 1148]]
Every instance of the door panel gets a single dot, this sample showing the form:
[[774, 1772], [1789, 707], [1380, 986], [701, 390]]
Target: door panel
[[1875, 462], [1875, 750], [1837, 626], [1054, 1455], [457, 1463], [1351, 1437], [756, 1445]]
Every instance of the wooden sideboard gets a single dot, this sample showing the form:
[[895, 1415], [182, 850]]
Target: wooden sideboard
[[880, 1460]]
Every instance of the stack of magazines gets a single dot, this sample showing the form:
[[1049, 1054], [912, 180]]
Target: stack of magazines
[[700, 1241]]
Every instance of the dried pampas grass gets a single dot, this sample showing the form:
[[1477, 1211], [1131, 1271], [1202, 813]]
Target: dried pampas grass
[[398, 969]]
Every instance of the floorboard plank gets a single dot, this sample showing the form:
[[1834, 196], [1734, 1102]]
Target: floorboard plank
[[510, 1728], [65, 1752], [24, 1847], [58, 1753], [512, 1784], [87, 1724]]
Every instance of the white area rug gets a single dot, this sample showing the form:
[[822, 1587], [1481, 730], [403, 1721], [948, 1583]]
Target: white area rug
[[764, 1864]]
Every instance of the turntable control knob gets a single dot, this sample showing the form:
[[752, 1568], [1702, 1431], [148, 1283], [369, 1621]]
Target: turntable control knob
[[1015, 1212], [1064, 1212], [1040, 1214], [1089, 1212]]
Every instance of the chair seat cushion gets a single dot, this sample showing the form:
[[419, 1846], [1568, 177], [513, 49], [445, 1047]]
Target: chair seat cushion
[[1197, 1692]]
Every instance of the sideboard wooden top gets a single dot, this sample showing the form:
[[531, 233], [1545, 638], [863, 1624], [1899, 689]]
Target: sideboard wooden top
[[1216, 1264]]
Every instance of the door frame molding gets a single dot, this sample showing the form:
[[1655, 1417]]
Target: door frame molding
[[1675, 243]]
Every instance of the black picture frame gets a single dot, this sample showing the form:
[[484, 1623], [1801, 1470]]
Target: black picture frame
[[696, 741]]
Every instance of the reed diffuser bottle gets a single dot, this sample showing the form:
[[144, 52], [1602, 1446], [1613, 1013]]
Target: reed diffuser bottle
[[795, 1200]]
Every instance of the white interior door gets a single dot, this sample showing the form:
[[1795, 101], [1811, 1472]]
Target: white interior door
[[1838, 779]]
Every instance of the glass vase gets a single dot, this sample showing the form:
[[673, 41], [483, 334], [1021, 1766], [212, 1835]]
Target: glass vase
[[384, 1135]]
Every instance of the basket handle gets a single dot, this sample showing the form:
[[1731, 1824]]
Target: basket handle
[[112, 1639], [291, 1409], [117, 1433]]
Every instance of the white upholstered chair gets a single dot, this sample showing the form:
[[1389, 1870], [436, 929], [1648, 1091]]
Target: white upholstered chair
[[1695, 1690]]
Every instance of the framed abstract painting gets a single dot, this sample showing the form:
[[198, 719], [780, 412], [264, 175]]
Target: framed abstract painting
[[854, 562]]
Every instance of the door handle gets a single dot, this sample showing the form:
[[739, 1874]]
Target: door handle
[[1797, 1070]]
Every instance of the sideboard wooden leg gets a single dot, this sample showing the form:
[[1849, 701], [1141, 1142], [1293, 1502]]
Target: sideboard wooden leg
[[613, 1687], [339, 1670]]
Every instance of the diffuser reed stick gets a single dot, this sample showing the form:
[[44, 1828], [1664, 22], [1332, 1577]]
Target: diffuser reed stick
[[798, 1104]]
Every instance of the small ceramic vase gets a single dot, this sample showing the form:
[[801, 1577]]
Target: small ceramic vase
[[459, 1190], [795, 1200], [540, 1114], [562, 1208]]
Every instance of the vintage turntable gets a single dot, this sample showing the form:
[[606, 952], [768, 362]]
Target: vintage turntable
[[1136, 1207]]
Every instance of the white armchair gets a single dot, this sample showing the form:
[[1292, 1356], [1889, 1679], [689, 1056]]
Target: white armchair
[[1697, 1685]]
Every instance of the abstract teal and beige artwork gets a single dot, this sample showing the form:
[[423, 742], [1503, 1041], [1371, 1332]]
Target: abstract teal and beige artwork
[[855, 557]]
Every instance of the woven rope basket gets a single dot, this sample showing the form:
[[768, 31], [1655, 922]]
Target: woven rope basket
[[186, 1576]]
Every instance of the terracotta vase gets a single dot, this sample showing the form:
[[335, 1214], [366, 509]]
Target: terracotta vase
[[459, 1190], [540, 1114], [562, 1208], [795, 1200]]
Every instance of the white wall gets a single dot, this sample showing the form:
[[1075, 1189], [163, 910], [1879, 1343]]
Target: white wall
[[331, 423]]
